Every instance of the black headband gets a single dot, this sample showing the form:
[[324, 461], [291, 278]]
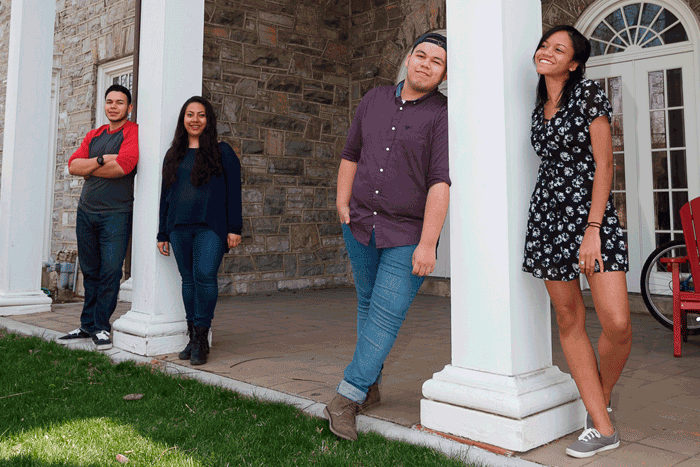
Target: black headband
[[433, 38]]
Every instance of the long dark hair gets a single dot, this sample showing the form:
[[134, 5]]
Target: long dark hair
[[207, 162], [582, 50]]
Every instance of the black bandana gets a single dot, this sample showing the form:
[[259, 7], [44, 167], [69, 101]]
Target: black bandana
[[433, 38]]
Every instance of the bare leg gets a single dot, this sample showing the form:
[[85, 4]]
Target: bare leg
[[571, 318], [609, 292]]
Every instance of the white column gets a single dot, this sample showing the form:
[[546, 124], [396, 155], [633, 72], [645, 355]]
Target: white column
[[501, 387], [170, 72], [24, 167]]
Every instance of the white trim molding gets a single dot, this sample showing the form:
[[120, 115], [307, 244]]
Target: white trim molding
[[105, 73]]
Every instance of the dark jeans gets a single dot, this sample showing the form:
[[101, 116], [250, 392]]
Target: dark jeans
[[198, 252], [102, 242]]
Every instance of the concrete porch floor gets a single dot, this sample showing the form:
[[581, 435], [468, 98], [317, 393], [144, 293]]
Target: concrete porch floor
[[300, 342]]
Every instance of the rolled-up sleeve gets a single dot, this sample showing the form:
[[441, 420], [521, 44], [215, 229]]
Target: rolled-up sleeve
[[353, 143]]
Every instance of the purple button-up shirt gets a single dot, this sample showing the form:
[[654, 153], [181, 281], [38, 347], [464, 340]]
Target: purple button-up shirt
[[401, 150]]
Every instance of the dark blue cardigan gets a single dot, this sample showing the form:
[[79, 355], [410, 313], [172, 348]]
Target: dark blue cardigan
[[218, 203]]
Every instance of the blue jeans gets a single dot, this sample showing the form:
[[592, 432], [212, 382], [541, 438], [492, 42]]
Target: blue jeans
[[198, 252], [385, 287], [103, 239]]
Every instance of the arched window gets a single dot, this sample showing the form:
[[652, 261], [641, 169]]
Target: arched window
[[637, 25]]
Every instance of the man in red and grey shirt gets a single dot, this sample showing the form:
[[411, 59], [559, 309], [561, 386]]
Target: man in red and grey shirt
[[107, 161], [393, 192]]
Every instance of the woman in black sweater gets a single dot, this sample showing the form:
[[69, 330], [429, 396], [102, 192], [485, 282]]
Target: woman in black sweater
[[200, 215]]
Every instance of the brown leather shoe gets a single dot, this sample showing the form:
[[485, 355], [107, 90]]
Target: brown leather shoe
[[373, 398], [341, 417]]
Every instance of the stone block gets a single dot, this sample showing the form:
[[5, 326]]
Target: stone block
[[290, 265], [267, 57], [266, 263], [300, 201], [307, 181], [326, 255], [337, 268], [247, 88], [262, 286], [252, 147], [282, 83], [282, 20], [340, 125], [330, 230], [277, 243], [252, 210], [294, 284], [228, 18], [304, 107], [321, 198], [324, 151], [325, 98], [242, 130], [252, 195], [246, 37], [321, 172], [279, 104], [238, 264], [258, 179], [304, 237], [314, 270], [257, 104], [286, 166], [290, 219], [275, 199], [276, 122], [254, 161], [265, 225], [239, 69], [231, 109], [299, 148]]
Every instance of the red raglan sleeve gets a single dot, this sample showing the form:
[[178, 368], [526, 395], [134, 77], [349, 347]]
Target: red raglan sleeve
[[83, 152], [128, 155]]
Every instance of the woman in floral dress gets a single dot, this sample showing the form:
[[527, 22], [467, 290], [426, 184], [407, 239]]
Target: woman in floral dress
[[573, 226]]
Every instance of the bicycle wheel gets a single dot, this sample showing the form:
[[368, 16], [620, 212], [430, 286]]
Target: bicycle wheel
[[657, 285]]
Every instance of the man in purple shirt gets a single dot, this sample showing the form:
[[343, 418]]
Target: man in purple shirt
[[393, 193]]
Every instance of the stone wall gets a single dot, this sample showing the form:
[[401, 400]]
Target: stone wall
[[277, 75], [4, 49], [88, 33], [556, 12]]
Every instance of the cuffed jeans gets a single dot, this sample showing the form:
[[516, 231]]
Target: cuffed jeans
[[385, 287], [103, 239], [198, 252]]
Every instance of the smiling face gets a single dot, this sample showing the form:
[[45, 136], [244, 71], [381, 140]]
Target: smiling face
[[117, 107], [195, 119], [426, 67], [554, 57]]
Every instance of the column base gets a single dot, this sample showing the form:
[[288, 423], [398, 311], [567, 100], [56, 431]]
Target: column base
[[517, 413], [24, 303], [126, 290], [148, 335]]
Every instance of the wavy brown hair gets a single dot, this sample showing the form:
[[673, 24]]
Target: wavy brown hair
[[207, 162]]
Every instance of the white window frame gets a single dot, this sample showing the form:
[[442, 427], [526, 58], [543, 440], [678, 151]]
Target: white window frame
[[105, 74]]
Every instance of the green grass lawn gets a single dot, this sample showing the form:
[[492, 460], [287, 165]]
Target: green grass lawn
[[61, 407]]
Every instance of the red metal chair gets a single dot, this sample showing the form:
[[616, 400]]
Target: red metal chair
[[686, 302]]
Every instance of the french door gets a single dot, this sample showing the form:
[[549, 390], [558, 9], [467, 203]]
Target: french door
[[654, 148]]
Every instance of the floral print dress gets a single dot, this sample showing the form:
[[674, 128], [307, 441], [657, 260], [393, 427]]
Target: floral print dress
[[562, 198]]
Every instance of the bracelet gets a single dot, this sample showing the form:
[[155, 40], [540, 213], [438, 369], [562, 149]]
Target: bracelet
[[593, 224]]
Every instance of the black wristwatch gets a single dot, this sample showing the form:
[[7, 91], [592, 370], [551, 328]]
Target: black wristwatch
[[100, 160]]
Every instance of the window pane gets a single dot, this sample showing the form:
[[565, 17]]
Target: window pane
[[616, 125], [618, 41], [666, 18], [618, 172], [662, 216], [597, 48], [620, 201], [679, 177], [658, 129], [632, 13], [675, 34], [675, 87], [603, 32], [615, 20], [613, 50], [656, 90], [662, 238], [659, 168], [618, 143], [633, 35], [676, 128], [625, 37], [655, 43], [679, 199], [648, 36], [649, 13]]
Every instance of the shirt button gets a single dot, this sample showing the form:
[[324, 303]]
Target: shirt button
[[393, 128], [381, 170], [375, 213], [400, 108], [387, 149], [377, 191]]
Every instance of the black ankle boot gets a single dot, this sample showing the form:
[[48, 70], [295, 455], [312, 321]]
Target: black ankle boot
[[187, 353], [200, 348]]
